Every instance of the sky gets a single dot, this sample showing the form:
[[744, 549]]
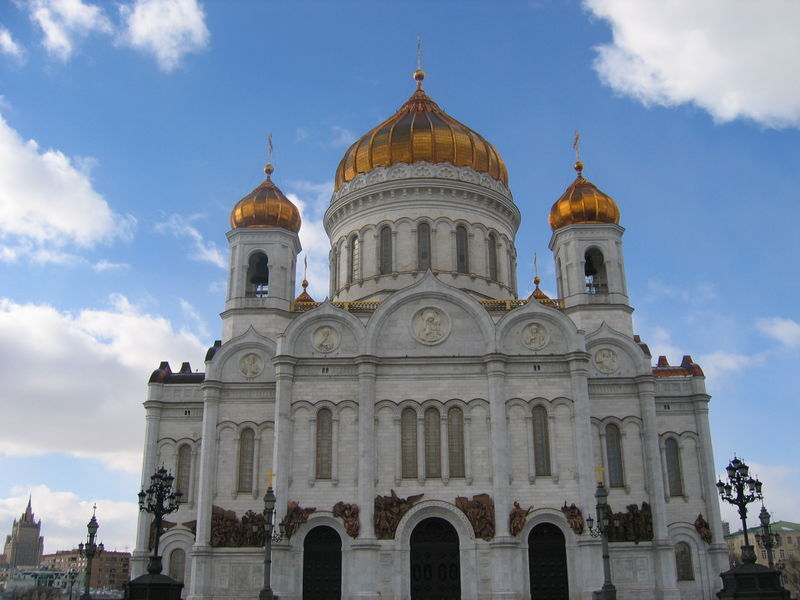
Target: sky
[[129, 129]]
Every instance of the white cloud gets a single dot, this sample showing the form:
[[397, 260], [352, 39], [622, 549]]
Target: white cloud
[[62, 21], [105, 265], [198, 322], [64, 516], [715, 364], [728, 57], [786, 331], [659, 340], [203, 250], [87, 371], [45, 198], [342, 137], [8, 45], [312, 201], [168, 29]]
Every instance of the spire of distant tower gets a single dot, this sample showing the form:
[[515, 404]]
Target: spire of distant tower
[[268, 169], [28, 516], [419, 74]]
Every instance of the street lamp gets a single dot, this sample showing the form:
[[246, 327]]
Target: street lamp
[[270, 536], [741, 490], [608, 591], [159, 500], [89, 551], [72, 575], [766, 539]]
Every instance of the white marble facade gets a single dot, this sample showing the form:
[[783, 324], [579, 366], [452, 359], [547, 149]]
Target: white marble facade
[[425, 340]]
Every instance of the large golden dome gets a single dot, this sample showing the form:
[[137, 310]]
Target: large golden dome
[[266, 206], [420, 131], [582, 202]]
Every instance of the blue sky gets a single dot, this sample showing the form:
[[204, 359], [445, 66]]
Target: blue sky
[[130, 129]]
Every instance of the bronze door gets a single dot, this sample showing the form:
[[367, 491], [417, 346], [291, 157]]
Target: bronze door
[[435, 564], [322, 565], [547, 560]]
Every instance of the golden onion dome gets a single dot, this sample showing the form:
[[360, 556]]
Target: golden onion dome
[[582, 202], [266, 206], [420, 131]]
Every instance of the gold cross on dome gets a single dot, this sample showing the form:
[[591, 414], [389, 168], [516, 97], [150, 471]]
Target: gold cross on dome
[[599, 471], [270, 476]]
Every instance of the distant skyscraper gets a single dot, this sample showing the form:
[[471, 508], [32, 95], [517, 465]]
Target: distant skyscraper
[[24, 546]]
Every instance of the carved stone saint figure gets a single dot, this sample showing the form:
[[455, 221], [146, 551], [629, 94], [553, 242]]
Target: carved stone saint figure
[[703, 528], [429, 325], [574, 517], [295, 516], [606, 360], [388, 512], [251, 365], [516, 520], [326, 338], [349, 514], [535, 336], [480, 512]]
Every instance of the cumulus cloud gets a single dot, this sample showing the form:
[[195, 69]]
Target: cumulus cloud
[[65, 21], [786, 331], [45, 198], [87, 371], [202, 250], [659, 340], [64, 516], [342, 137], [8, 45], [167, 29], [715, 364], [312, 200], [728, 57]]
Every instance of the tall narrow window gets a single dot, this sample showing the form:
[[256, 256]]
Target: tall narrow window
[[354, 260], [614, 452], [673, 457], [386, 251], [246, 450], [683, 562], [183, 472], [455, 442], [408, 442], [335, 267], [423, 247], [177, 564], [541, 441], [257, 285], [462, 254], [324, 443], [433, 444], [595, 271], [492, 257]]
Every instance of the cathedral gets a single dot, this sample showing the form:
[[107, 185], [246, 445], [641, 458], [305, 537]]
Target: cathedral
[[432, 434]]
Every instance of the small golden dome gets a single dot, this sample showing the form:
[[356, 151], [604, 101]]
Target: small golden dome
[[420, 131], [304, 295], [266, 206], [582, 202], [537, 293]]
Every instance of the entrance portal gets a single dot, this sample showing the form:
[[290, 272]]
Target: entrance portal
[[435, 564], [322, 565], [547, 560]]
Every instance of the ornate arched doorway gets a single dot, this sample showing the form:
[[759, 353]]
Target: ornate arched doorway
[[435, 564], [547, 561], [322, 564]]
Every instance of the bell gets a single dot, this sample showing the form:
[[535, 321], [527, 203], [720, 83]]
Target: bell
[[260, 275], [589, 268]]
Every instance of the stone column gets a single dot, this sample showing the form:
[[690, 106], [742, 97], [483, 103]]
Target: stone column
[[150, 460], [201, 581], [664, 559]]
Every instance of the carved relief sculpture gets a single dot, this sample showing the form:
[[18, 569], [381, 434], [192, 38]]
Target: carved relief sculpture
[[636, 525], [227, 531], [605, 360], [326, 339], [348, 513], [480, 512], [388, 512], [251, 365], [535, 336], [516, 520], [430, 325], [574, 517], [295, 516], [703, 528]]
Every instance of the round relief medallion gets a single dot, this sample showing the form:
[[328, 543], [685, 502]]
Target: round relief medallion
[[606, 360], [251, 365], [326, 339], [535, 336], [430, 325]]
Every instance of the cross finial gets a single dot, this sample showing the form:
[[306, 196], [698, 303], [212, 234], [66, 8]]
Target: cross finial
[[305, 267], [599, 470], [269, 143], [535, 265], [270, 476], [576, 144], [94, 509], [419, 53]]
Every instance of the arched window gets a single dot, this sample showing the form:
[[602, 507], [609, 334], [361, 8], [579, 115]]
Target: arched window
[[423, 247], [595, 271], [462, 252], [354, 260], [408, 443], [246, 451], [335, 267], [257, 276], [324, 443], [492, 257], [386, 251], [177, 564], [183, 471], [683, 562], [433, 444], [455, 442], [614, 452], [673, 457], [541, 441]]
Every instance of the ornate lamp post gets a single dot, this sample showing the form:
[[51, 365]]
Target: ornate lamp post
[[72, 575], [608, 591], [270, 536], [159, 500], [766, 539], [741, 490], [89, 551]]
